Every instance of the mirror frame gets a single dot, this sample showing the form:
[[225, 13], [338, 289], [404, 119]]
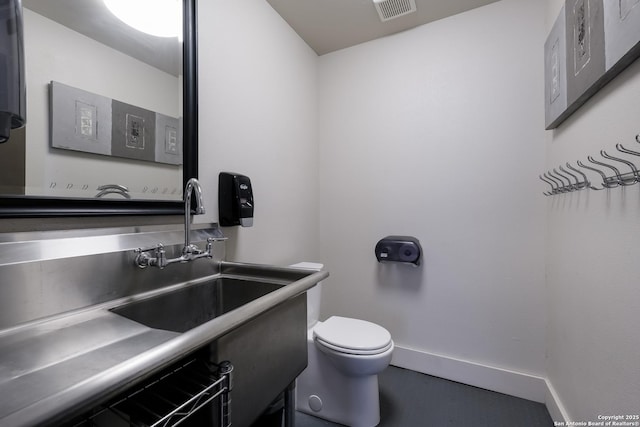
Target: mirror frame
[[36, 206]]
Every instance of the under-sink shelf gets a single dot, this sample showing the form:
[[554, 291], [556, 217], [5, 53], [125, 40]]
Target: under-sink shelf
[[168, 399]]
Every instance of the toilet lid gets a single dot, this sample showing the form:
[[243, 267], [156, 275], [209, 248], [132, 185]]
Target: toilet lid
[[352, 335]]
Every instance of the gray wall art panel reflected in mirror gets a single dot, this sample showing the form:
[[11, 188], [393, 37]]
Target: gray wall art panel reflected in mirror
[[106, 105], [590, 43], [84, 121]]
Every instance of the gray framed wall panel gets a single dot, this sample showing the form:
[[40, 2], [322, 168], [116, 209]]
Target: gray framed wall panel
[[602, 38], [80, 120], [622, 31], [585, 47], [133, 132], [168, 140], [555, 70], [84, 121]]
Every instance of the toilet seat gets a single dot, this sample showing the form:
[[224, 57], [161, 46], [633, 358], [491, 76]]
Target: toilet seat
[[352, 336]]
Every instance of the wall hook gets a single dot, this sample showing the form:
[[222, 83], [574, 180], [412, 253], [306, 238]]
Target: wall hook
[[566, 180], [605, 182], [570, 186], [634, 170], [587, 183], [622, 149], [578, 185], [567, 188], [553, 188], [615, 170], [559, 184]]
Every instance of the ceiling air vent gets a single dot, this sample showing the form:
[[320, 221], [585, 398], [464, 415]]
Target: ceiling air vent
[[390, 9]]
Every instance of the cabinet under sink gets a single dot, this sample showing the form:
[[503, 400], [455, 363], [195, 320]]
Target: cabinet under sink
[[267, 354]]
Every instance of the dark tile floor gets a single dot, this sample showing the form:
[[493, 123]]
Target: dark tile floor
[[411, 399]]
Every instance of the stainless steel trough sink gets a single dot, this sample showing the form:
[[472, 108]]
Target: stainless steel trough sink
[[185, 308], [244, 313], [277, 334]]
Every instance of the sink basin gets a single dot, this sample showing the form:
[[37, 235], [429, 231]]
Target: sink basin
[[183, 309]]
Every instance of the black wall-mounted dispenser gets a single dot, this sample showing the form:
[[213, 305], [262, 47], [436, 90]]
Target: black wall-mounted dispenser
[[405, 249], [12, 83], [235, 200]]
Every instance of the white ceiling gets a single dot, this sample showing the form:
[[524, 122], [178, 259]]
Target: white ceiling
[[329, 25], [325, 25]]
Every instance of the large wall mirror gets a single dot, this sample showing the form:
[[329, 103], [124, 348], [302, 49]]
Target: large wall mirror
[[111, 112]]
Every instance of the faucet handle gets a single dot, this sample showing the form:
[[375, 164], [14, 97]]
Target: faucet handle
[[144, 260], [161, 256], [209, 251], [192, 250]]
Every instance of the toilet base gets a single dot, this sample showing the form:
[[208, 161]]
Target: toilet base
[[325, 392]]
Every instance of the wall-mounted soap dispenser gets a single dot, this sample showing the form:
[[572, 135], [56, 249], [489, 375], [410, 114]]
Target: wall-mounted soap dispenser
[[235, 200], [404, 249], [12, 83]]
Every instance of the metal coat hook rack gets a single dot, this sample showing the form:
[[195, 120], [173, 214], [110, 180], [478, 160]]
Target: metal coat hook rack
[[565, 180]]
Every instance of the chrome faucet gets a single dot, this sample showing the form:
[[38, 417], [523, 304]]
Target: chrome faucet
[[190, 252], [193, 186]]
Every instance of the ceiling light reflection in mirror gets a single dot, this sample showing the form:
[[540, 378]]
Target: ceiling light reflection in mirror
[[161, 18]]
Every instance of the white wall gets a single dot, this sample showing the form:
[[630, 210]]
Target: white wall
[[257, 113], [437, 132], [593, 343], [54, 52]]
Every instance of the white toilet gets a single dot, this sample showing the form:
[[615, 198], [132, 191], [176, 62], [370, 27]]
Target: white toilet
[[340, 383]]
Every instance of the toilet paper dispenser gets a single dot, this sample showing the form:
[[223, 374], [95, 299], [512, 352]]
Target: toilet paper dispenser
[[405, 249]]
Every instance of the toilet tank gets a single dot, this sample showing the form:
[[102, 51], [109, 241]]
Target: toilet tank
[[313, 295]]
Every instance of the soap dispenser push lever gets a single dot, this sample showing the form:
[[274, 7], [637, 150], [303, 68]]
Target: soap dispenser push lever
[[190, 251]]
